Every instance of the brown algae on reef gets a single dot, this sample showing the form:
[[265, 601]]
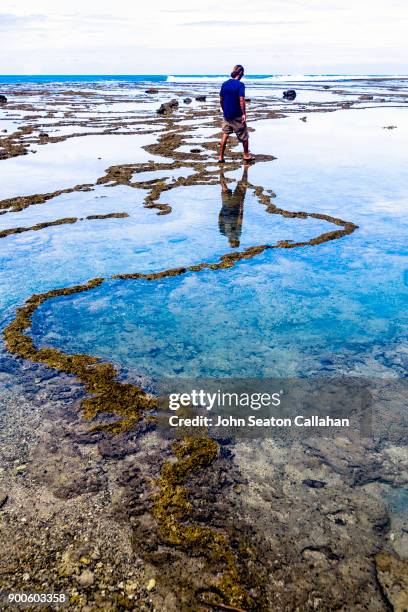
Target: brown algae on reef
[[171, 508], [65, 221], [107, 395]]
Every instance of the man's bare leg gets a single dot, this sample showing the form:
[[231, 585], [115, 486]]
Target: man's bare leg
[[247, 155], [222, 146]]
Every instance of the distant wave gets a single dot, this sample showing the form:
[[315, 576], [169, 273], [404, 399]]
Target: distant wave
[[328, 77], [280, 78]]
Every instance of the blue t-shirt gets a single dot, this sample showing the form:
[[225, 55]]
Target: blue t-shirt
[[232, 90]]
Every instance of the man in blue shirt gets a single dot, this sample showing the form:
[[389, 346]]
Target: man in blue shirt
[[232, 101]]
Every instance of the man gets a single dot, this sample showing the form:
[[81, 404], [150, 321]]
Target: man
[[232, 101]]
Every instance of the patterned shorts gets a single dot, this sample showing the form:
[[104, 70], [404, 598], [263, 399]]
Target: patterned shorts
[[235, 125]]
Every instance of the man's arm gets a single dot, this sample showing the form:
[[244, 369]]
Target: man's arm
[[222, 102], [242, 100], [243, 108]]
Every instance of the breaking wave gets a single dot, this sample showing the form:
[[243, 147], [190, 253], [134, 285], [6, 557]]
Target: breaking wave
[[279, 78]]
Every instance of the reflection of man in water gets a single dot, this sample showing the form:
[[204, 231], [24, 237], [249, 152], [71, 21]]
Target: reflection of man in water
[[232, 210]]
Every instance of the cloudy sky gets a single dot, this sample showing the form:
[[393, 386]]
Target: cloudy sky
[[193, 37]]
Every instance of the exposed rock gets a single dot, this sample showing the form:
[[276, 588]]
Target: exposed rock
[[390, 127], [201, 98], [3, 99], [43, 135], [195, 150], [187, 100], [392, 574], [366, 97], [289, 94], [167, 107], [151, 90]]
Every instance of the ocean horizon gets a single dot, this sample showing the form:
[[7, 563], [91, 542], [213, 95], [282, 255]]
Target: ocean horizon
[[188, 78]]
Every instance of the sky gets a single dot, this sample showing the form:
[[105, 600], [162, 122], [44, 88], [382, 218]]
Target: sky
[[199, 37]]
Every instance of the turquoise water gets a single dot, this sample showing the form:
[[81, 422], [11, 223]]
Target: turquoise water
[[157, 78], [339, 307]]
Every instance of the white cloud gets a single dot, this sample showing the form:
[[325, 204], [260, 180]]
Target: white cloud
[[267, 36]]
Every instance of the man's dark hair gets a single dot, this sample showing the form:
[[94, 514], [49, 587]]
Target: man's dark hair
[[237, 70]]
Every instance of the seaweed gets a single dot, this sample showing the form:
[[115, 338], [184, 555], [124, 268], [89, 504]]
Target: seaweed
[[171, 508], [64, 221]]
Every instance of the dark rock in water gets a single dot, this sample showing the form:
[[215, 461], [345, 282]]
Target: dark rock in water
[[3, 99], [167, 107], [151, 90], [326, 86], [248, 99], [314, 484], [114, 448], [187, 100], [289, 94], [195, 150], [201, 98], [366, 97], [43, 135]]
